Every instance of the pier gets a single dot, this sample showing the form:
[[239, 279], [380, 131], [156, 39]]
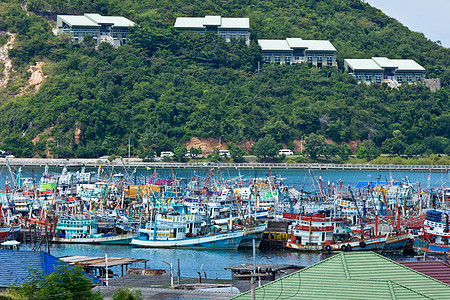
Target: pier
[[136, 163]]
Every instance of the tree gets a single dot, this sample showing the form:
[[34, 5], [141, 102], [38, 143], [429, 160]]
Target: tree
[[126, 293], [394, 145], [236, 153], [214, 156], [266, 147], [148, 155], [345, 151], [368, 150], [179, 154], [315, 145], [195, 152], [66, 283]]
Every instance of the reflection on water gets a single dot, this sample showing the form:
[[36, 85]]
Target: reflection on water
[[212, 262]]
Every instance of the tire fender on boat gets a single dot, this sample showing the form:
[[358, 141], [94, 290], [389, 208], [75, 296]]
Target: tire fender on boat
[[349, 247], [344, 248], [362, 244], [327, 248]]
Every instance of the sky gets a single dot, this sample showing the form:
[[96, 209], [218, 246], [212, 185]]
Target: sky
[[430, 17]]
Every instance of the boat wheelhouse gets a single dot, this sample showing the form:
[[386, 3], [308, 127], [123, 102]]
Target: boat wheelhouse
[[169, 230], [323, 232]]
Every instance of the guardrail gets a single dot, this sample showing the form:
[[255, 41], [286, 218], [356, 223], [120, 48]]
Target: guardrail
[[201, 165]]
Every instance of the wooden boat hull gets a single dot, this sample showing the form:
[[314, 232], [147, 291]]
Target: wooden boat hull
[[375, 243], [225, 241], [123, 239], [424, 246], [253, 233], [396, 242]]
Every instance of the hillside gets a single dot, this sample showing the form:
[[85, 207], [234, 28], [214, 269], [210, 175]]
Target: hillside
[[165, 87]]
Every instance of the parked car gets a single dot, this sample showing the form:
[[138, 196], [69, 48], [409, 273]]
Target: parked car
[[287, 152], [166, 153], [224, 153]]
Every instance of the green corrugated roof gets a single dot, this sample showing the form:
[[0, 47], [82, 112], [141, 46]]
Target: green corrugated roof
[[354, 275]]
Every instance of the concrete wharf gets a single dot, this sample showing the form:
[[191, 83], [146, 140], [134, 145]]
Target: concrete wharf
[[137, 163]]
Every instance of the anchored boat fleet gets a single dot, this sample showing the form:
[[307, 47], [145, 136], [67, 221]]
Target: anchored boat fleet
[[108, 207]]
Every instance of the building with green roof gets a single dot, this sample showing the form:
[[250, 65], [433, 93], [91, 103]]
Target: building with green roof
[[296, 50], [353, 275], [227, 28], [113, 30], [379, 69]]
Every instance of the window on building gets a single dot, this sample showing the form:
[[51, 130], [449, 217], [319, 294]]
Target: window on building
[[277, 59], [309, 58], [287, 59], [399, 79], [319, 59], [358, 77], [267, 58], [419, 78], [329, 60], [296, 58], [378, 78], [368, 78], [409, 78]]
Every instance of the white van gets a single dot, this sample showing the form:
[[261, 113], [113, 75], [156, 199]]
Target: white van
[[166, 153], [224, 153], [287, 152]]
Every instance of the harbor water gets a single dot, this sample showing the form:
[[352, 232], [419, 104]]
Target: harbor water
[[213, 262]]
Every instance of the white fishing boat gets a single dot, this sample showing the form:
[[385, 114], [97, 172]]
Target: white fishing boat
[[170, 230]]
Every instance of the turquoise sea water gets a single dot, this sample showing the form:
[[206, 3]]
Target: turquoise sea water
[[214, 262]]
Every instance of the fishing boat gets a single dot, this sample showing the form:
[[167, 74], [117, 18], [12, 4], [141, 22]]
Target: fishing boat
[[322, 232], [434, 237], [171, 229], [83, 229], [252, 232]]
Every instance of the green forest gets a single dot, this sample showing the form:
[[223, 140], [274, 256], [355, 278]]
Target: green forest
[[164, 86]]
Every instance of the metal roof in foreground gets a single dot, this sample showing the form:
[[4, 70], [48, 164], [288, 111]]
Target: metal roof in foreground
[[354, 275], [99, 262]]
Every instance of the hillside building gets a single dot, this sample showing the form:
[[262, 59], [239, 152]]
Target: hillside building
[[228, 28], [296, 50], [382, 69], [113, 30]]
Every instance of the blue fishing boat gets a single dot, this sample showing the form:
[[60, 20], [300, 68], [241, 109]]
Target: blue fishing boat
[[170, 230], [83, 229], [434, 235]]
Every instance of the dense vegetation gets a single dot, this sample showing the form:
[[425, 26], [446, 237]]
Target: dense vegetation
[[165, 87], [65, 283]]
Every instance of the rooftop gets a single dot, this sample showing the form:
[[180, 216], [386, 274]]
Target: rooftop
[[16, 265], [100, 262], [435, 269], [354, 275], [294, 43], [363, 64], [274, 45], [202, 22], [95, 20], [380, 63]]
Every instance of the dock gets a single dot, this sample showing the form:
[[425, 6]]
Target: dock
[[138, 163], [97, 265]]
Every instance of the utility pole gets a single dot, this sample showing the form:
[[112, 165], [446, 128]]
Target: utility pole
[[171, 273], [106, 269], [301, 145], [252, 279]]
